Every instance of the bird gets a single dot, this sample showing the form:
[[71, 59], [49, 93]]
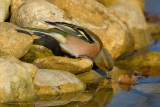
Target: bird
[[76, 41]]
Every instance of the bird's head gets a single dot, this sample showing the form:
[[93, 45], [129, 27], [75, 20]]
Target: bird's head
[[104, 60]]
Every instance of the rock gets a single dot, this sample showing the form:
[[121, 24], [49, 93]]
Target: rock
[[13, 42], [56, 82], [110, 2], [94, 16], [113, 83], [66, 64], [15, 4], [35, 52], [15, 80], [60, 100], [32, 69], [90, 77], [154, 29], [15, 105], [126, 79], [84, 97], [35, 17], [133, 17], [154, 72], [4, 9], [150, 59], [103, 97]]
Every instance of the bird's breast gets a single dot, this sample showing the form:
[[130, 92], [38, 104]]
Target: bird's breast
[[80, 47]]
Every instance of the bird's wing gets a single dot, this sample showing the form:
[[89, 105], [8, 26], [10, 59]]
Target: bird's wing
[[65, 27], [73, 30], [50, 37]]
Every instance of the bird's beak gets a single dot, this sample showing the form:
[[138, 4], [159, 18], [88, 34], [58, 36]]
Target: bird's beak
[[108, 59], [104, 60]]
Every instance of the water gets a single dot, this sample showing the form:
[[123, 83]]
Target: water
[[145, 94], [155, 48], [152, 6]]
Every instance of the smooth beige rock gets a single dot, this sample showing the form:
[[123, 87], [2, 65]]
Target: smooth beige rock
[[4, 9], [32, 69], [133, 17], [66, 64], [110, 2], [15, 4], [35, 17], [15, 80], [91, 77], [13, 42], [54, 82], [94, 16]]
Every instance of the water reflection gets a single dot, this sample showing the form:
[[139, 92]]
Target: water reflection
[[152, 6], [145, 94], [101, 99], [155, 48]]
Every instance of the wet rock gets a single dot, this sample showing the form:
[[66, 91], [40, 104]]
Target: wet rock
[[126, 79], [15, 80], [154, 71], [103, 97], [90, 77], [133, 17], [35, 52], [60, 100], [56, 82], [35, 17], [110, 2], [114, 82], [13, 42], [94, 16], [66, 64], [148, 60], [15, 105], [4, 9], [110, 84], [154, 29], [84, 97]]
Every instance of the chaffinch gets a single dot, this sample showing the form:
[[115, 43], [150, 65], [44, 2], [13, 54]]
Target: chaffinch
[[79, 42]]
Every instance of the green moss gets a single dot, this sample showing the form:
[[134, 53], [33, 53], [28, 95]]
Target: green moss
[[35, 52]]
